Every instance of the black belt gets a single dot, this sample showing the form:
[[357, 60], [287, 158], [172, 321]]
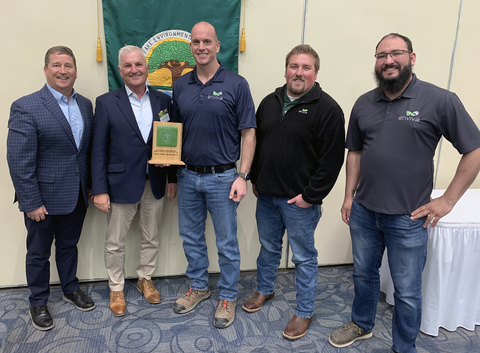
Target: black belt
[[216, 169]]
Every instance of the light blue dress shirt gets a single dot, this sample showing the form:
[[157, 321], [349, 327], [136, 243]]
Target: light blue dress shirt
[[72, 113], [142, 110]]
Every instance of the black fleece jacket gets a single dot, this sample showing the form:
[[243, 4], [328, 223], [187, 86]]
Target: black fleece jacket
[[302, 152]]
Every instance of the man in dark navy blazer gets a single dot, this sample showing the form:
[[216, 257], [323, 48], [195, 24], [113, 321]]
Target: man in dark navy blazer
[[123, 181], [48, 146]]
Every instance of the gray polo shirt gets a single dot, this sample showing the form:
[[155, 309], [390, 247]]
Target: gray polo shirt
[[398, 140]]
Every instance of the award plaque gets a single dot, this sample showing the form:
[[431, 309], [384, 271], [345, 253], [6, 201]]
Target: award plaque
[[167, 143]]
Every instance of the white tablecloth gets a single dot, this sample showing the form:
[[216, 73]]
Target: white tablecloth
[[451, 279]]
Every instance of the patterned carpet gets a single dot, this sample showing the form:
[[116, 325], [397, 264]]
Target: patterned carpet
[[155, 328]]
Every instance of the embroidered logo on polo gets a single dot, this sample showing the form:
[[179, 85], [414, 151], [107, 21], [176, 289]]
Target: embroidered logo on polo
[[410, 116], [303, 111], [215, 95]]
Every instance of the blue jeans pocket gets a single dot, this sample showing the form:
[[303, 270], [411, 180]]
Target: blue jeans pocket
[[181, 171], [228, 176]]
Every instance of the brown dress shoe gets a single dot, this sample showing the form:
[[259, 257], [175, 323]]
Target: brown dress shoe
[[146, 287], [117, 303], [256, 301], [297, 327]]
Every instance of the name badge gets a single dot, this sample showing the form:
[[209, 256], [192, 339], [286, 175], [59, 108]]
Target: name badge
[[163, 115]]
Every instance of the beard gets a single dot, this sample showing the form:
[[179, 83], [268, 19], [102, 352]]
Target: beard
[[395, 84], [297, 91]]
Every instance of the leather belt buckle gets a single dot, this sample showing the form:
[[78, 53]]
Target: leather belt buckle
[[202, 170]]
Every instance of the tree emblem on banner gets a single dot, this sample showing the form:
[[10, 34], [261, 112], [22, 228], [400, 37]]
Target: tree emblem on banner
[[169, 57]]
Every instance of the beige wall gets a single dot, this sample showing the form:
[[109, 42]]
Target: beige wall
[[344, 32]]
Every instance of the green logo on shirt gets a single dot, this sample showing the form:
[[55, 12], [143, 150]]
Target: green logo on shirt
[[415, 113], [216, 95]]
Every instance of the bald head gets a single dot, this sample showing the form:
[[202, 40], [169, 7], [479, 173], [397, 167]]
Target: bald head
[[205, 26], [205, 46]]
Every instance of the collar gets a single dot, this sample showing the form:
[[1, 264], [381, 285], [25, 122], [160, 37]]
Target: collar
[[130, 92], [218, 77], [58, 96]]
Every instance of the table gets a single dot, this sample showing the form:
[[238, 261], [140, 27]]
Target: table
[[451, 279]]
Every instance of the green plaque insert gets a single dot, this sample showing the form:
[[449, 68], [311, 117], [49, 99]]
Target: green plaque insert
[[167, 136]]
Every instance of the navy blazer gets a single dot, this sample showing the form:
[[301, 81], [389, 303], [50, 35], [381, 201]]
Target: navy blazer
[[119, 153], [45, 165]]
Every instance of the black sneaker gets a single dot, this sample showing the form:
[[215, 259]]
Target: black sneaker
[[80, 300], [41, 318]]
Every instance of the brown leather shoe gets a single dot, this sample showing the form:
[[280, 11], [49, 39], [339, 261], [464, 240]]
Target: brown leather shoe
[[256, 301], [117, 303], [297, 327], [146, 287]]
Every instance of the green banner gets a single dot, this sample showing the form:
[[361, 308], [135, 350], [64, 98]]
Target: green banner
[[162, 30]]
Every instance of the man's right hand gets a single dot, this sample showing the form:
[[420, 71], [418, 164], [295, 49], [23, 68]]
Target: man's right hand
[[38, 214], [102, 202], [346, 209]]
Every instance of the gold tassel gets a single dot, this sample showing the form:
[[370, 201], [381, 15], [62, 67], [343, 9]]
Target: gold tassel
[[243, 43], [99, 50]]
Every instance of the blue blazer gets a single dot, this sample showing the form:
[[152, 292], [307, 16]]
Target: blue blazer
[[45, 165], [119, 153]]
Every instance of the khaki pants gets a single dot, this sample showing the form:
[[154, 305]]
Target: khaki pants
[[119, 219]]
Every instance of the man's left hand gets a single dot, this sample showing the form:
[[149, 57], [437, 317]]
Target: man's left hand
[[238, 190], [171, 191], [435, 210], [299, 201]]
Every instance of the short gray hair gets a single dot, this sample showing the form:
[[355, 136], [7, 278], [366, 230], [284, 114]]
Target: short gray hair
[[128, 49]]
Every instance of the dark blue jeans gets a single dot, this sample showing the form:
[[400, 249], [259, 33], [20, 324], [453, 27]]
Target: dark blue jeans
[[406, 243], [274, 215], [197, 194]]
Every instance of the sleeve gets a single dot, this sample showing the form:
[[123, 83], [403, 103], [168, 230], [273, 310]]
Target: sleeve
[[89, 125], [172, 170], [330, 151], [100, 148], [457, 125], [244, 107], [254, 168], [175, 116], [354, 139], [22, 145]]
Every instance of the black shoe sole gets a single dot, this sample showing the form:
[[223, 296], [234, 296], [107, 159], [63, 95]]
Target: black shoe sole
[[79, 307], [41, 328]]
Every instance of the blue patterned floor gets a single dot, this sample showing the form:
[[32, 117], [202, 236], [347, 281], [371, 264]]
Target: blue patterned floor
[[155, 328]]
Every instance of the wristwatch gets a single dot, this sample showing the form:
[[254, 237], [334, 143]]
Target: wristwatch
[[245, 176]]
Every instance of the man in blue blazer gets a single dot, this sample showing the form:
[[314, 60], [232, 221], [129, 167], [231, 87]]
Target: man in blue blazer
[[123, 181], [48, 147]]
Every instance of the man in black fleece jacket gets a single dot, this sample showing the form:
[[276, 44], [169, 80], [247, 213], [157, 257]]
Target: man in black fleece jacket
[[300, 151]]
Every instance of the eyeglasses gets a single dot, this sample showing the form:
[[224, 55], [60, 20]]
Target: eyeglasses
[[394, 54]]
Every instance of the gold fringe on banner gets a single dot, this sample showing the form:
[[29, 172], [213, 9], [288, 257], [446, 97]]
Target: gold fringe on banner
[[99, 51], [99, 43], [243, 42]]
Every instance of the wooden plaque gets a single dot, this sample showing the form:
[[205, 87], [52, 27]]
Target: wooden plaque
[[167, 143]]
